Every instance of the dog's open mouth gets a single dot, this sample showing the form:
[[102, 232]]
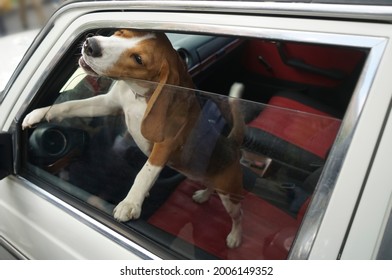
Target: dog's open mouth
[[86, 67]]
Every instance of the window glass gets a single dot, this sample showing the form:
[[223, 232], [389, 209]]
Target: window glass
[[287, 126]]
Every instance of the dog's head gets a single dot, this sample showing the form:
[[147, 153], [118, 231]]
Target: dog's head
[[132, 54], [149, 56]]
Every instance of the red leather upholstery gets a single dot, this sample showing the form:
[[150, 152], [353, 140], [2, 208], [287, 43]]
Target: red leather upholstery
[[309, 132], [323, 57], [207, 225]]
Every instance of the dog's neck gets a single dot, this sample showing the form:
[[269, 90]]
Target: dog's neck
[[141, 89]]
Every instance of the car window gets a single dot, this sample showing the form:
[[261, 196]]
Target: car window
[[291, 113]]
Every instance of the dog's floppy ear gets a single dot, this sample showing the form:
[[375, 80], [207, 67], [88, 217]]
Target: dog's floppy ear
[[160, 120]]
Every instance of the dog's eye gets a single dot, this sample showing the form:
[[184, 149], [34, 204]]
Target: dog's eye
[[138, 59]]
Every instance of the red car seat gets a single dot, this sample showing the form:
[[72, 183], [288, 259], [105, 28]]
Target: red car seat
[[293, 129]]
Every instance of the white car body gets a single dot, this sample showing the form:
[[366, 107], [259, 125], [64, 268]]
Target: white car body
[[36, 224]]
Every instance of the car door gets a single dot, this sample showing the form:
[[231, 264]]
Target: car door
[[306, 191], [373, 213]]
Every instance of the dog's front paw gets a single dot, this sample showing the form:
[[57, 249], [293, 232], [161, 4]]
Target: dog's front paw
[[34, 117], [126, 211], [202, 196]]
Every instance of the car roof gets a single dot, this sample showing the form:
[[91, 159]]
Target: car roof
[[343, 2], [351, 2]]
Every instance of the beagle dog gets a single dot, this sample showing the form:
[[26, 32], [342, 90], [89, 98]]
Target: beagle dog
[[159, 119]]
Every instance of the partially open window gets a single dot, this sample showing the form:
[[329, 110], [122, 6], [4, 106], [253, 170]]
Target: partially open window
[[295, 97]]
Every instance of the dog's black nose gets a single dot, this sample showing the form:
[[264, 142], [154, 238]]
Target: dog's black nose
[[92, 48]]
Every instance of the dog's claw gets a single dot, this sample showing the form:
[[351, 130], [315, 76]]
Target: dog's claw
[[126, 211]]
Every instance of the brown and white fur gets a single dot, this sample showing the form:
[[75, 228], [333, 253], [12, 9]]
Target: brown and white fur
[[158, 120]]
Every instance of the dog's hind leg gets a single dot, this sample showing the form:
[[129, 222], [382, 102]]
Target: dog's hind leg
[[233, 208], [229, 186]]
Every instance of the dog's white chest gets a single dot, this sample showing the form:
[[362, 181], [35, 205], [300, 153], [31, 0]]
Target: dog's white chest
[[134, 107], [133, 117]]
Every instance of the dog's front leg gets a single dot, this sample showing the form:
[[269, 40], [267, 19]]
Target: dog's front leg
[[130, 207], [35, 117], [97, 106]]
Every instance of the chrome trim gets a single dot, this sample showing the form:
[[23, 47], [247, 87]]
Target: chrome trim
[[316, 210], [12, 249], [323, 10], [308, 231]]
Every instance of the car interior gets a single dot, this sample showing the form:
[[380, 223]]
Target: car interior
[[296, 95]]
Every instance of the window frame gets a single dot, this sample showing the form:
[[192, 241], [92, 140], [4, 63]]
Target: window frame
[[164, 21]]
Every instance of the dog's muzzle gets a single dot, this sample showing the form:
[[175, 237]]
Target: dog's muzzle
[[86, 67], [92, 48]]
